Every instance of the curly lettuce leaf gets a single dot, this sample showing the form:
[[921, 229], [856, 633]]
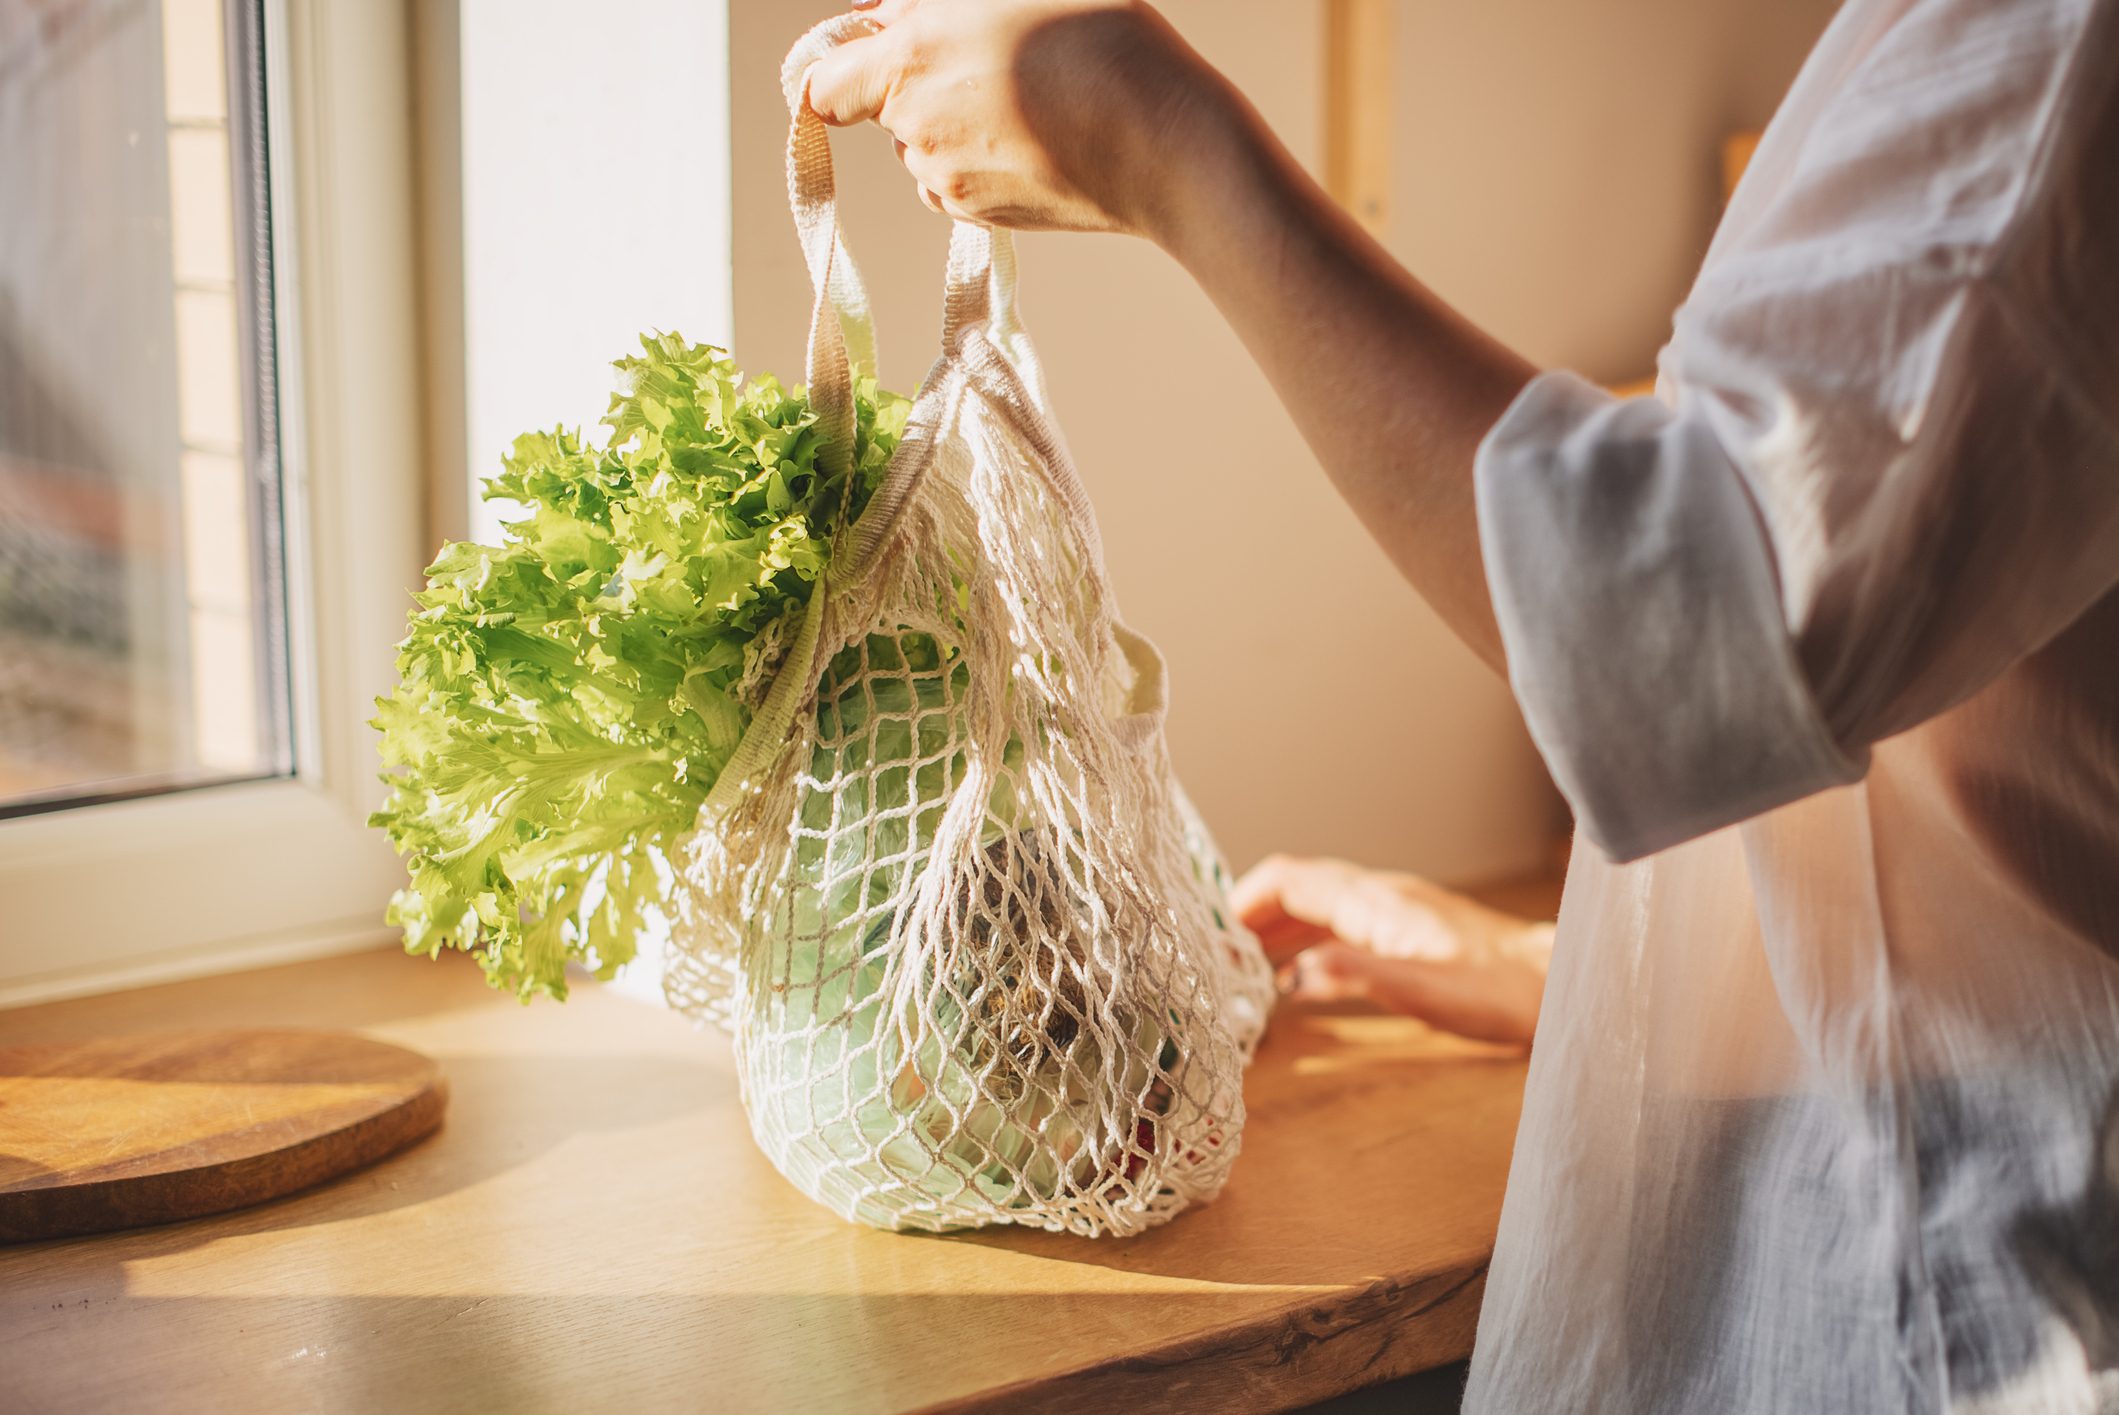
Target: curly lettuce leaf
[[567, 697]]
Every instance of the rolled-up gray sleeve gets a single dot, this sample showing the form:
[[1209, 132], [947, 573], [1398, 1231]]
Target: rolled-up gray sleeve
[[1637, 599]]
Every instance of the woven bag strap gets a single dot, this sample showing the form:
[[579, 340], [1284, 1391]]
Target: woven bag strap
[[979, 288]]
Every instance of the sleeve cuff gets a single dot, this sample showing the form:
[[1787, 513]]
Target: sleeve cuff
[[1636, 595]]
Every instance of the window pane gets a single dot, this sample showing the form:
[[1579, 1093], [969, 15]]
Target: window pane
[[142, 608]]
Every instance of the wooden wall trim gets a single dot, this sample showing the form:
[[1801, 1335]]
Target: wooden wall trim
[[1357, 107]]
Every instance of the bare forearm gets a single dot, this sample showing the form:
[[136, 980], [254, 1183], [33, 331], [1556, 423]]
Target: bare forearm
[[1392, 389]]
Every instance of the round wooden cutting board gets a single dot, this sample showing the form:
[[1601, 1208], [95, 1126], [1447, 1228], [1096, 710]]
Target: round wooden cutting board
[[125, 1131]]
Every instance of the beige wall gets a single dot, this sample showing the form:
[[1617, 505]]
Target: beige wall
[[1556, 168], [1318, 706]]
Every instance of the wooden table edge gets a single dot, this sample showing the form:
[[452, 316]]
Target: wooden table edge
[[1388, 1329]]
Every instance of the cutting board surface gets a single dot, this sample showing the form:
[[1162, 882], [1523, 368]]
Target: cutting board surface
[[124, 1131]]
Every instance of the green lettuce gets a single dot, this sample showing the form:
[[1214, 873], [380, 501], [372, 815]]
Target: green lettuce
[[567, 697]]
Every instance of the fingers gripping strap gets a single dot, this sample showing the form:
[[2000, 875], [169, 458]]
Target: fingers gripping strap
[[981, 279]]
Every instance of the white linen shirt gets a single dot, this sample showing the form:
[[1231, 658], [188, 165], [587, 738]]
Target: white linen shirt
[[1823, 1113]]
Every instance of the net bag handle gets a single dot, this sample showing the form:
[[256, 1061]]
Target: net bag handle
[[979, 292], [978, 300], [979, 288]]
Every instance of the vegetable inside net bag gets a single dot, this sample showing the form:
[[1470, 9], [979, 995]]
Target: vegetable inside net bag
[[973, 942]]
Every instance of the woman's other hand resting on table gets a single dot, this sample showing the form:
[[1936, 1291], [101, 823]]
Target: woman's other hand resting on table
[[1411, 946]]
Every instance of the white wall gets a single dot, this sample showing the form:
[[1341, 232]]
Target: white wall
[[592, 145], [1555, 174]]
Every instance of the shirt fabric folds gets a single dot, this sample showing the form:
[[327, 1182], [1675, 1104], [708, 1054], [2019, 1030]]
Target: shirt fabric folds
[[1823, 1113]]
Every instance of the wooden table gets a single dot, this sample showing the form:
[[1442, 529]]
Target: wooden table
[[592, 1229]]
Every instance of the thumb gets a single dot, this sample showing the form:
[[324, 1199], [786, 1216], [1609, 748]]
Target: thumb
[[851, 84]]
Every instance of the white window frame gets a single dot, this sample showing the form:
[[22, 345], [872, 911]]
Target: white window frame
[[196, 881]]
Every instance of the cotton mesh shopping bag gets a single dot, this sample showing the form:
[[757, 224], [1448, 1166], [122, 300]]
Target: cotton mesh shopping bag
[[973, 942]]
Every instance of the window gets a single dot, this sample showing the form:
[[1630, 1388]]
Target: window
[[210, 489], [142, 589]]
